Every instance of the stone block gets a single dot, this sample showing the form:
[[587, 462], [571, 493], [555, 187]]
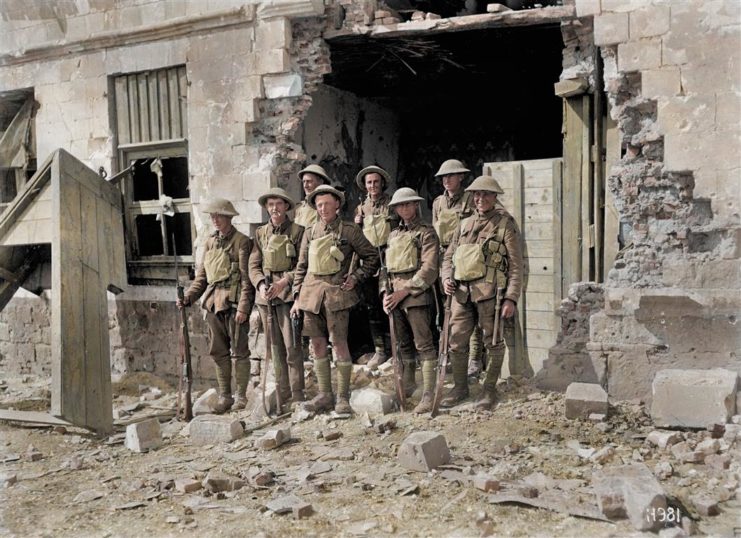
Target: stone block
[[269, 61], [216, 482], [486, 483], [629, 491], [187, 485], [611, 29], [721, 462], [205, 403], [585, 8], [684, 453], [143, 436], [274, 438], [302, 510], [211, 429], [733, 433], [665, 82], [693, 398], [649, 21], [424, 451], [273, 34], [705, 504], [285, 85], [692, 114], [583, 399], [664, 439], [639, 55], [708, 446], [372, 401], [285, 504]]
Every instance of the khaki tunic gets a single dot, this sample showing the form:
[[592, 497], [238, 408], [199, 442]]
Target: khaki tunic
[[305, 215], [216, 296], [444, 201], [257, 274], [413, 313], [314, 291]]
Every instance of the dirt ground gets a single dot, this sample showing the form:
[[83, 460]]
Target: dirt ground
[[88, 486]]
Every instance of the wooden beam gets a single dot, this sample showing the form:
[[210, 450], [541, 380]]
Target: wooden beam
[[570, 87], [33, 417], [587, 189], [558, 287]]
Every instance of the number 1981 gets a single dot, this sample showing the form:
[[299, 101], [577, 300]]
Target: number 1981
[[664, 515]]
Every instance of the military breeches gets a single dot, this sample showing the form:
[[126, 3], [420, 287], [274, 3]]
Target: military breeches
[[327, 324], [227, 338], [464, 317], [413, 331], [289, 358]]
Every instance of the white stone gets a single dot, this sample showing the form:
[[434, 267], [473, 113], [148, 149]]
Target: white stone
[[285, 85], [629, 491], [143, 436], [639, 55], [708, 446], [274, 438], [424, 451], [584, 399], [693, 398], [211, 429], [611, 29], [664, 439], [649, 21], [733, 432], [372, 401], [206, 403]]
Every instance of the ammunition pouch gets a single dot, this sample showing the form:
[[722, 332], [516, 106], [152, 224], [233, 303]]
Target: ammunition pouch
[[324, 256], [278, 253], [469, 263], [447, 222], [217, 264], [402, 253], [376, 229]]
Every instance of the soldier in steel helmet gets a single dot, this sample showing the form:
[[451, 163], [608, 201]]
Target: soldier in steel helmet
[[311, 177], [412, 260], [447, 211], [376, 219], [222, 280], [484, 256], [325, 288], [272, 264]]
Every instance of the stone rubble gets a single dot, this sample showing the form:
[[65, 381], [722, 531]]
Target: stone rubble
[[143, 436], [372, 401], [423, 451], [211, 429], [584, 399], [274, 438]]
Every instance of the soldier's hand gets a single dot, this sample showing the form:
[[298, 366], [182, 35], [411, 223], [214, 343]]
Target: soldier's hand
[[180, 304], [449, 287], [276, 288], [508, 308], [391, 301], [263, 290], [240, 318], [295, 311], [358, 219], [349, 283]]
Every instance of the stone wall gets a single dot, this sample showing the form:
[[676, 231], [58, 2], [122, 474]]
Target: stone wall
[[672, 80]]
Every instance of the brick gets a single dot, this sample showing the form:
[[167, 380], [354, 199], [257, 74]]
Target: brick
[[611, 29], [423, 451], [583, 399], [372, 401], [216, 482], [649, 21], [486, 483], [273, 34], [629, 491], [585, 8], [205, 403], [687, 115], [187, 485], [664, 439], [693, 398], [302, 510], [661, 82], [143, 436], [274, 438], [211, 429], [639, 55], [284, 85]]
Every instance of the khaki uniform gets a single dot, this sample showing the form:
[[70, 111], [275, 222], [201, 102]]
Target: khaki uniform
[[325, 305], [305, 215], [222, 300], [413, 323], [289, 359], [474, 301]]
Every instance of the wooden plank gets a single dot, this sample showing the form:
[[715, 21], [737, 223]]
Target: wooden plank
[[570, 87], [612, 218], [95, 327], [541, 283], [537, 215], [558, 285], [32, 417], [518, 199], [538, 248], [183, 99], [598, 203], [143, 100], [540, 231], [571, 192], [540, 301], [542, 320], [134, 109], [541, 266], [29, 232], [165, 131], [123, 128], [172, 95], [540, 196], [154, 108], [587, 186], [89, 216], [538, 338]]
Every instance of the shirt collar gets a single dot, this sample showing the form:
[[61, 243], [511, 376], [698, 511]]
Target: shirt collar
[[412, 224]]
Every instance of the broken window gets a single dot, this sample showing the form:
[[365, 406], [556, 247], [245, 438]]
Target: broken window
[[151, 125], [17, 143]]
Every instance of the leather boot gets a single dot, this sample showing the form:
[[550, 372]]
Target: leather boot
[[429, 375], [459, 392], [344, 372], [324, 399], [242, 378], [408, 379], [494, 360], [379, 343], [224, 380]]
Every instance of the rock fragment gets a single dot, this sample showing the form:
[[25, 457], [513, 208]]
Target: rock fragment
[[302, 510], [424, 451], [274, 438], [218, 482], [486, 483], [206, 403], [705, 505], [285, 504], [187, 485], [372, 401], [664, 439], [143, 436], [584, 399], [7, 479], [211, 429]]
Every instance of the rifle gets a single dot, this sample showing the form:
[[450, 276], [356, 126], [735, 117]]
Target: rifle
[[185, 378], [497, 317], [442, 361], [395, 349], [270, 352], [296, 328]]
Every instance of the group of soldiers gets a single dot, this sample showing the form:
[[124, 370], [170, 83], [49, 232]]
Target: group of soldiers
[[318, 266]]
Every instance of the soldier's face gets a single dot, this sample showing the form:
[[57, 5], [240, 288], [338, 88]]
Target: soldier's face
[[310, 182], [374, 184], [484, 200], [276, 208], [452, 182], [221, 223], [407, 210], [327, 206]]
